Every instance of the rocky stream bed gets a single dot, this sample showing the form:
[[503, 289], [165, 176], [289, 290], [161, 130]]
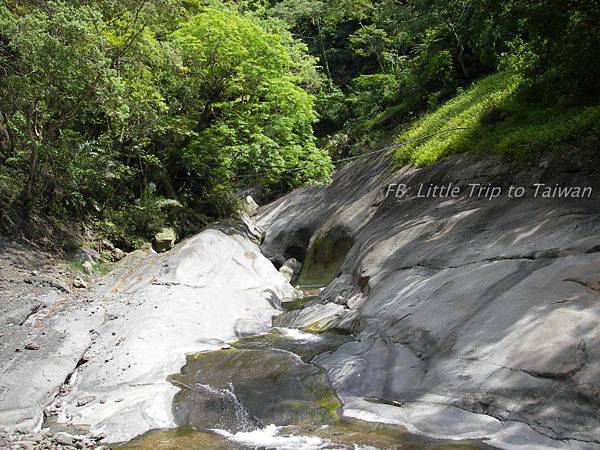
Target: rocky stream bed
[[443, 323]]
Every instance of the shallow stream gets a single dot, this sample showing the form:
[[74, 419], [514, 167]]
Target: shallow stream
[[263, 393]]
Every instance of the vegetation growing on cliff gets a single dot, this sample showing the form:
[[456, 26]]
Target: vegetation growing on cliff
[[492, 117]]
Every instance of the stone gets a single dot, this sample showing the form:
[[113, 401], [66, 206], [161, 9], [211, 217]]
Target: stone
[[291, 269], [87, 268], [118, 254], [249, 206], [164, 240], [63, 438], [39, 436], [287, 272], [240, 389], [79, 283], [32, 346], [356, 301]]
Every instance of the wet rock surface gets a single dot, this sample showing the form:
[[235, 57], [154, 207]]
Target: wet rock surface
[[263, 394], [304, 345], [258, 381], [474, 318], [245, 389]]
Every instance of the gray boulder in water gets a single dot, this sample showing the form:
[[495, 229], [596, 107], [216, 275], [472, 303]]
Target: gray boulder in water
[[239, 390]]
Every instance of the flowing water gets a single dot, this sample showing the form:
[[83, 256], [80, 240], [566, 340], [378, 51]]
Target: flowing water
[[264, 393]]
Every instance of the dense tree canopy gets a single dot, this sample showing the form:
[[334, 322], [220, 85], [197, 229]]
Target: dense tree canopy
[[131, 115], [134, 114], [389, 60]]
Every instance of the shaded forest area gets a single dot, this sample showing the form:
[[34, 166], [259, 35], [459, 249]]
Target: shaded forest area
[[120, 117]]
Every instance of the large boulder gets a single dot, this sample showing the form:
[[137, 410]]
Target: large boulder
[[239, 390], [474, 318]]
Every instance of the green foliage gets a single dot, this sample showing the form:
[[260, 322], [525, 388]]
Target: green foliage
[[134, 115], [395, 60], [250, 116], [488, 118]]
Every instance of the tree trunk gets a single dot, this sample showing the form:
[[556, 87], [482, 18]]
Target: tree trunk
[[33, 163], [322, 44], [4, 138]]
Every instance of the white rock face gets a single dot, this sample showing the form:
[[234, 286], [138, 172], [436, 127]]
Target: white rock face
[[207, 290], [476, 319]]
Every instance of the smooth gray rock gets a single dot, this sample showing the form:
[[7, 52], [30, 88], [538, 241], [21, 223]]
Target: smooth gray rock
[[476, 318], [63, 438], [207, 290], [119, 340]]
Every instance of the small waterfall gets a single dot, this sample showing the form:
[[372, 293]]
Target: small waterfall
[[241, 413], [245, 421]]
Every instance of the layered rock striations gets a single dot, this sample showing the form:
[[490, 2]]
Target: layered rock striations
[[474, 316]]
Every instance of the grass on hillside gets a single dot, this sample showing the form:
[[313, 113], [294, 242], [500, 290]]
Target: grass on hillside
[[496, 121]]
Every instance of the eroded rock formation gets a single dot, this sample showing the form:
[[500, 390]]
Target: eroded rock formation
[[474, 317]]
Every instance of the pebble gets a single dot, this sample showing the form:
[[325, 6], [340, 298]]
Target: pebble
[[63, 438], [79, 283], [85, 400]]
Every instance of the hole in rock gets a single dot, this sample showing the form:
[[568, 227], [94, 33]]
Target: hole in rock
[[325, 257]]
